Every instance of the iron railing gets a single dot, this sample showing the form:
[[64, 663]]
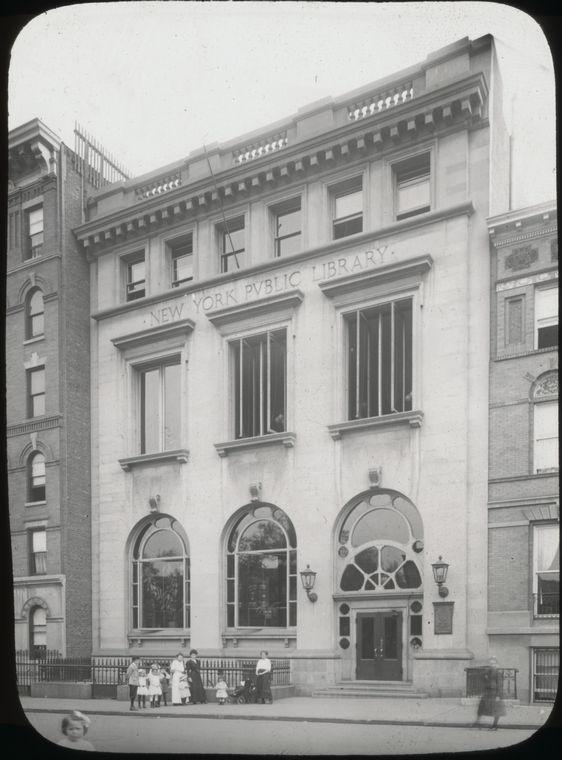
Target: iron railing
[[47, 665], [476, 682], [546, 667]]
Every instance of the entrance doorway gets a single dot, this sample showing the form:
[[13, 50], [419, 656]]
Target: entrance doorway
[[379, 646]]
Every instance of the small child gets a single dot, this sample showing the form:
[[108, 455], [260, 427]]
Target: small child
[[154, 688], [164, 685], [75, 727], [185, 692], [222, 688], [143, 688]]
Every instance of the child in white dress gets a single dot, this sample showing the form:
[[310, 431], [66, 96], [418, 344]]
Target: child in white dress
[[185, 692], [222, 688], [154, 687], [142, 691]]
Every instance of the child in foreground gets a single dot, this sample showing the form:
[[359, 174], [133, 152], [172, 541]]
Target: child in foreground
[[222, 688], [75, 727]]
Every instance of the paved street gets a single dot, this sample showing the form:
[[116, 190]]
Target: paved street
[[141, 733]]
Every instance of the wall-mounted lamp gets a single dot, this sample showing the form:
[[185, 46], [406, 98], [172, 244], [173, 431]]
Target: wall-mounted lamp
[[154, 503], [255, 491], [308, 578], [440, 574]]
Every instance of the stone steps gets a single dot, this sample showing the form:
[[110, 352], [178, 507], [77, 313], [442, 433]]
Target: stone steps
[[371, 690]]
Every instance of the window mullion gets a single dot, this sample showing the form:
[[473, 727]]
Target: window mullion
[[392, 357], [240, 389], [379, 363], [357, 362], [260, 394], [268, 388]]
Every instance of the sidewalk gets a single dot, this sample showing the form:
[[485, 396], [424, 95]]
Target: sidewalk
[[412, 712]]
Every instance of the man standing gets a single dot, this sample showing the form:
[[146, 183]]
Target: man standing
[[133, 679]]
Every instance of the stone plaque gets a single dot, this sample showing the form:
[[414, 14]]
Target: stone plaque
[[521, 258], [443, 617]]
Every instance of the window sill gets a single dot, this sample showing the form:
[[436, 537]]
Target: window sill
[[287, 439], [235, 635], [36, 339], [36, 503], [413, 419], [137, 637], [516, 354], [178, 455]]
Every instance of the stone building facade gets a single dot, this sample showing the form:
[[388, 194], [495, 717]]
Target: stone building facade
[[289, 357], [48, 393], [523, 507]]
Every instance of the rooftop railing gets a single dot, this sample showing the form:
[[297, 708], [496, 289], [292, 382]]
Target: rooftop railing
[[158, 186], [381, 101], [263, 147]]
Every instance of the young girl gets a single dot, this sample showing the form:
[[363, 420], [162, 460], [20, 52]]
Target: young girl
[[164, 685], [75, 727], [154, 688], [222, 688], [143, 688], [185, 691]]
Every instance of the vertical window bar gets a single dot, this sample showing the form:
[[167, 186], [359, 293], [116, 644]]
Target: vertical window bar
[[357, 342], [240, 388], [392, 315], [403, 364], [368, 389], [261, 430], [379, 364], [269, 381]]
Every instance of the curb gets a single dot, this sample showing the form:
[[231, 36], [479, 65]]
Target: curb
[[294, 719]]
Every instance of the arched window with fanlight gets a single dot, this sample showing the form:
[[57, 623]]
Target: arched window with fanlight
[[160, 575], [379, 544], [36, 477], [37, 632], [35, 315], [261, 569]]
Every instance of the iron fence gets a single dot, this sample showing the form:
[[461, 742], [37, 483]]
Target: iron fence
[[49, 665], [546, 668], [476, 682]]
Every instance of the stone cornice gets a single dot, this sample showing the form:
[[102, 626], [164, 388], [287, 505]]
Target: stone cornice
[[413, 419], [271, 304], [409, 268], [459, 104], [371, 236], [31, 426], [532, 235], [152, 334]]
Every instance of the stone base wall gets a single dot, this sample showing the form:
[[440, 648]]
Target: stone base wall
[[441, 673], [309, 674], [61, 690]]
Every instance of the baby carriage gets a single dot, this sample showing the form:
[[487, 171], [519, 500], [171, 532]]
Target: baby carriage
[[245, 693]]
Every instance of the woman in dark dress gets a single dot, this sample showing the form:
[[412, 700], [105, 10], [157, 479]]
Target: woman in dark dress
[[193, 670], [491, 702]]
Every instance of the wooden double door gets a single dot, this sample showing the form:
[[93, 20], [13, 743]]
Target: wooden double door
[[379, 645]]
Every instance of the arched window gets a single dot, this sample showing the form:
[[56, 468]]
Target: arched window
[[261, 569], [160, 575], [37, 632], [35, 314], [36, 477], [545, 423], [379, 542]]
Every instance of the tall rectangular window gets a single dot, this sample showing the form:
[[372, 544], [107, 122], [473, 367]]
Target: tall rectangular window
[[160, 408], [546, 436], [260, 379], [34, 232], [288, 227], [36, 392], [546, 317], [181, 252], [514, 320], [546, 668], [232, 237], [413, 189], [379, 354], [347, 208], [38, 551], [546, 570], [135, 277]]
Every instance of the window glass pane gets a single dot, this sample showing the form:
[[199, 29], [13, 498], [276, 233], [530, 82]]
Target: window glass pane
[[150, 411], [367, 638], [546, 303], [36, 303], [352, 579], [39, 541], [38, 469], [289, 245], [547, 552], [416, 625], [172, 406], [136, 271], [37, 381], [183, 267], [278, 353], [35, 221], [391, 637], [262, 535], [408, 576], [391, 558], [162, 587], [163, 543], [235, 242], [262, 589], [347, 205], [413, 194], [547, 336], [39, 616], [288, 223], [368, 559], [546, 435], [381, 524]]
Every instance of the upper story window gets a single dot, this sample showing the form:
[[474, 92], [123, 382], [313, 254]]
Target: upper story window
[[260, 380], [34, 245], [288, 227], [160, 407], [412, 186], [36, 392], [38, 551], [546, 569], [546, 436], [347, 207], [546, 317], [232, 241], [379, 354], [36, 477], [135, 277], [35, 315], [181, 258]]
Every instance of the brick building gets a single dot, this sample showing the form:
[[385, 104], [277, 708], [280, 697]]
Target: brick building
[[523, 507], [48, 393], [289, 353]]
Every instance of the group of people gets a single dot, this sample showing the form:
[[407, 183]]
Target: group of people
[[184, 682]]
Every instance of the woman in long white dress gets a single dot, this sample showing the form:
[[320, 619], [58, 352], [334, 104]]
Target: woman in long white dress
[[177, 668]]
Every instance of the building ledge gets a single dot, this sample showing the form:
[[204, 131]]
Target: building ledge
[[287, 439], [527, 352], [178, 455], [513, 630], [35, 503], [235, 635], [38, 580], [283, 302], [37, 339], [390, 273], [35, 423], [151, 334], [412, 418], [443, 654], [517, 478]]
